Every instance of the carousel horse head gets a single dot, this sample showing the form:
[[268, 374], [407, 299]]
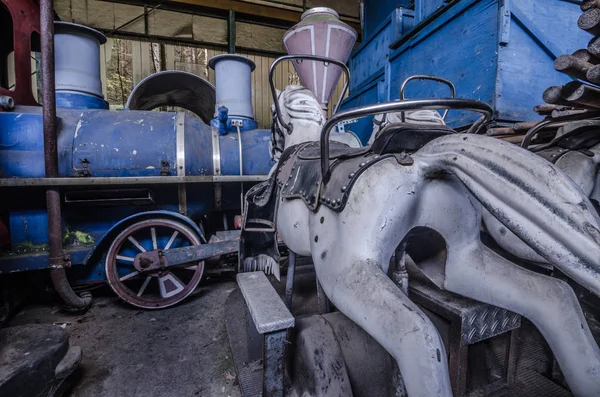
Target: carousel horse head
[[303, 117]]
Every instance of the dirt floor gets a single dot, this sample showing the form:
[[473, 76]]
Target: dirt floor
[[179, 351]]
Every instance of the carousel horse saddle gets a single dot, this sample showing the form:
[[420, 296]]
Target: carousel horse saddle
[[299, 174], [579, 135], [408, 138]]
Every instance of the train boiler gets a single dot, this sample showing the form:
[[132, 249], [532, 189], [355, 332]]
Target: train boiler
[[131, 181]]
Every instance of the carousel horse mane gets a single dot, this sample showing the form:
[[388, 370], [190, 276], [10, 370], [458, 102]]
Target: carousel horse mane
[[299, 107]]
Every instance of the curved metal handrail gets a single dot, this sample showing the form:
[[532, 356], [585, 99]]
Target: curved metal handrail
[[432, 78], [289, 127], [398, 106]]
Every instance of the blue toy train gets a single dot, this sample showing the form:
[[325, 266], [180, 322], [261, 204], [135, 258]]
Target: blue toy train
[[132, 180]]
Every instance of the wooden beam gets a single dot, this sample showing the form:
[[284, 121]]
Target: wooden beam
[[246, 8], [254, 9]]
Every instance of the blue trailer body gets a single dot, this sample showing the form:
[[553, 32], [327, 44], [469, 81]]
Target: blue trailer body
[[496, 51]]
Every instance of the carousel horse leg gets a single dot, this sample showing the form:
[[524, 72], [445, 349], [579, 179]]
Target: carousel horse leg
[[364, 293], [479, 273]]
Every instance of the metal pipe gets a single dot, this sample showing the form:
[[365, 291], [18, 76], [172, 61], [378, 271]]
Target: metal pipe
[[6, 102], [431, 78], [129, 180], [57, 255]]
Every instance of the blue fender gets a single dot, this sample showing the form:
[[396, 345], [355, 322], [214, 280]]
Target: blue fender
[[106, 239]]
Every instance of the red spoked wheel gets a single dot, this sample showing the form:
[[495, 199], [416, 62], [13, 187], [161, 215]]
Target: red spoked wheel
[[158, 289]]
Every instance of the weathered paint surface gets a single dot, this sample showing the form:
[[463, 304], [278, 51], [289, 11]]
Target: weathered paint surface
[[496, 51], [106, 143]]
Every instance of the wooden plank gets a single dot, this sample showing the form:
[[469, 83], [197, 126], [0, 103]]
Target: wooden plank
[[79, 11], [210, 53], [103, 61], [170, 56], [266, 100], [278, 3], [136, 62], [259, 91], [124, 13], [100, 14], [63, 9], [259, 37], [246, 8], [209, 30], [276, 12], [170, 24], [146, 60], [343, 7], [34, 76]]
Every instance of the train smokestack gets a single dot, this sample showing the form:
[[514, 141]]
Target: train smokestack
[[233, 84], [77, 66], [320, 32]]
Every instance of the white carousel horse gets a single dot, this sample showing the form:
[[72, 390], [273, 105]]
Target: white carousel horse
[[445, 188], [583, 167]]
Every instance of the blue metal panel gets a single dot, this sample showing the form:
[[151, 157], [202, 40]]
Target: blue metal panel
[[255, 153], [21, 144], [38, 261], [77, 100], [28, 230], [535, 37], [496, 51], [424, 8], [369, 60], [198, 148], [370, 94], [467, 55], [127, 143], [377, 11]]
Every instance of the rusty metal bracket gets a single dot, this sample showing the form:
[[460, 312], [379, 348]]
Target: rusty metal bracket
[[59, 262]]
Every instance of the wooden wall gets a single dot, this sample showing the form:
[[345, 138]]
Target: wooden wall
[[142, 66], [173, 26]]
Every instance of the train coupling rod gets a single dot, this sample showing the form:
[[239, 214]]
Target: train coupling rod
[[157, 260]]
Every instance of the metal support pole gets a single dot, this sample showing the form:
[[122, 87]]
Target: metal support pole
[[231, 32], [289, 285], [57, 255]]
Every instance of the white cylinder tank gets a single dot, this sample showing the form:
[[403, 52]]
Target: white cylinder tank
[[233, 84], [77, 58]]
